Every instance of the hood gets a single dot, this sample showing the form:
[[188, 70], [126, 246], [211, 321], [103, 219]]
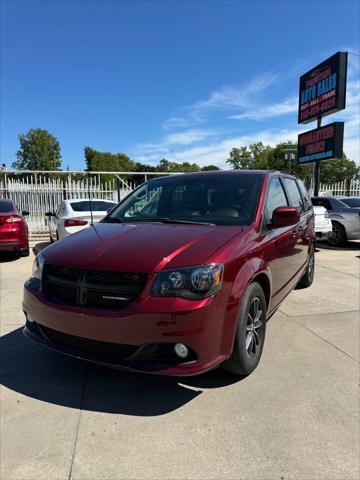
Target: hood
[[142, 247]]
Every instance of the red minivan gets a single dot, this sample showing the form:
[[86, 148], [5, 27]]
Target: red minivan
[[180, 277], [14, 236]]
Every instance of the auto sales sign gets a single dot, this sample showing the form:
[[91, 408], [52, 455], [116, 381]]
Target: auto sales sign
[[323, 89]]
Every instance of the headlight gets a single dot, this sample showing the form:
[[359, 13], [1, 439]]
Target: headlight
[[38, 266], [193, 283]]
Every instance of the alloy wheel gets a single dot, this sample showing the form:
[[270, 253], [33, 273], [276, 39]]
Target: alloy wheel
[[254, 326]]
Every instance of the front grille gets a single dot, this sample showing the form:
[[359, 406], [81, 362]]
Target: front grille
[[63, 292], [88, 345], [91, 288]]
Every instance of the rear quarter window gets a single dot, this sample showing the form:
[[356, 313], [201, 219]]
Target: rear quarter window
[[96, 206]]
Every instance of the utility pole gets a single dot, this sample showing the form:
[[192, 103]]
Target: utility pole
[[316, 168], [290, 154]]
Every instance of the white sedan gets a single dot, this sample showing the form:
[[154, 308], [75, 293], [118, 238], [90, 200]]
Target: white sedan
[[74, 215], [323, 224]]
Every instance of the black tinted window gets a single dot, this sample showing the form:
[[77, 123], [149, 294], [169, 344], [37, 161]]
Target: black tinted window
[[321, 202], [293, 193], [96, 206], [276, 197], [5, 206], [351, 202], [218, 199]]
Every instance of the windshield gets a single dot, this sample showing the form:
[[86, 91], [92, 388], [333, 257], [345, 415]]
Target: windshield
[[96, 206], [215, 199], [351, 202]]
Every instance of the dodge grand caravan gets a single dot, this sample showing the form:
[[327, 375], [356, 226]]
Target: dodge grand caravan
[[180, 277]]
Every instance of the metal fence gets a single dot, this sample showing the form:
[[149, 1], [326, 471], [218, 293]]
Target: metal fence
[[347, 188], [39, 192]]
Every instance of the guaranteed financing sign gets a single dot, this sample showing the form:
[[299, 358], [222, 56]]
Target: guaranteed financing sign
[[323, 89], [321, 143]]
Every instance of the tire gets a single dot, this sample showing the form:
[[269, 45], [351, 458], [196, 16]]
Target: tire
[[249, 339], [25, 252], [51, 239], [337, 237], [57, 235], [307, 279]]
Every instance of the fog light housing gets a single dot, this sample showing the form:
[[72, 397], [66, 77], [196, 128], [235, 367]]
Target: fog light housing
[[181, 350]]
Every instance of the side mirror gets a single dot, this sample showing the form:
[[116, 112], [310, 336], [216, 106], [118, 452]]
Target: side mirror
[[284, 217], [49, 214], [24, 213]]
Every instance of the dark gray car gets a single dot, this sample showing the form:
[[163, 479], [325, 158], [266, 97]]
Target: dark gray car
[[345, 218]]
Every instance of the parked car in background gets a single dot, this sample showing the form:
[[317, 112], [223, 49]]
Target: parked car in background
[[14, 235], [323, 225], [74, 215], [180, 277], [345, 219]]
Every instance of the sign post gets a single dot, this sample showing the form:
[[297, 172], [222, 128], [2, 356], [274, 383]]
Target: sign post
[[317, 168], [322, 92]]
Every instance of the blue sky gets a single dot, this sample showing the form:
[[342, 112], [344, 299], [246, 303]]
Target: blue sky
[[184, 80]]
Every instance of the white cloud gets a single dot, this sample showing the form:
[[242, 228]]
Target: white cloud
[[261, 112], [225, 98], [173, 140], [216, 153], [212, 146]]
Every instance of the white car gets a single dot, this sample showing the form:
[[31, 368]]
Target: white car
[[74, 215], [323, 225]]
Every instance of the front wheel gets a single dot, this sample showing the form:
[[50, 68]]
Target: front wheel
[[337, 237], [250, 333]]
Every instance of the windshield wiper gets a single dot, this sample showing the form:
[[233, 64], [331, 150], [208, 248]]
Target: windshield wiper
[[175, 220]]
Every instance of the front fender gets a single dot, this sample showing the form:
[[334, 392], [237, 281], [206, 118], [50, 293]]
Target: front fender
[[244, 274]]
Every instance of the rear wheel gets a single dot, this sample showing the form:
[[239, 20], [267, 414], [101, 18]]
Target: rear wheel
[[308, 277], [250, 333], [25, 252], [337, 237]]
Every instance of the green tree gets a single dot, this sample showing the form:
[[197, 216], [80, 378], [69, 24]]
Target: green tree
[[167, 166], [264, 157], [332, 171], [39, 150], [107, 162], [208, 168], [249, 157]]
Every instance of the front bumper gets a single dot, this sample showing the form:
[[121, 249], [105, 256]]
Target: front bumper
[[199, 325]]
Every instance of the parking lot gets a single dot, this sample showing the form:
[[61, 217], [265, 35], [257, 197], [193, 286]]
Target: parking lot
[[295, 417]]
